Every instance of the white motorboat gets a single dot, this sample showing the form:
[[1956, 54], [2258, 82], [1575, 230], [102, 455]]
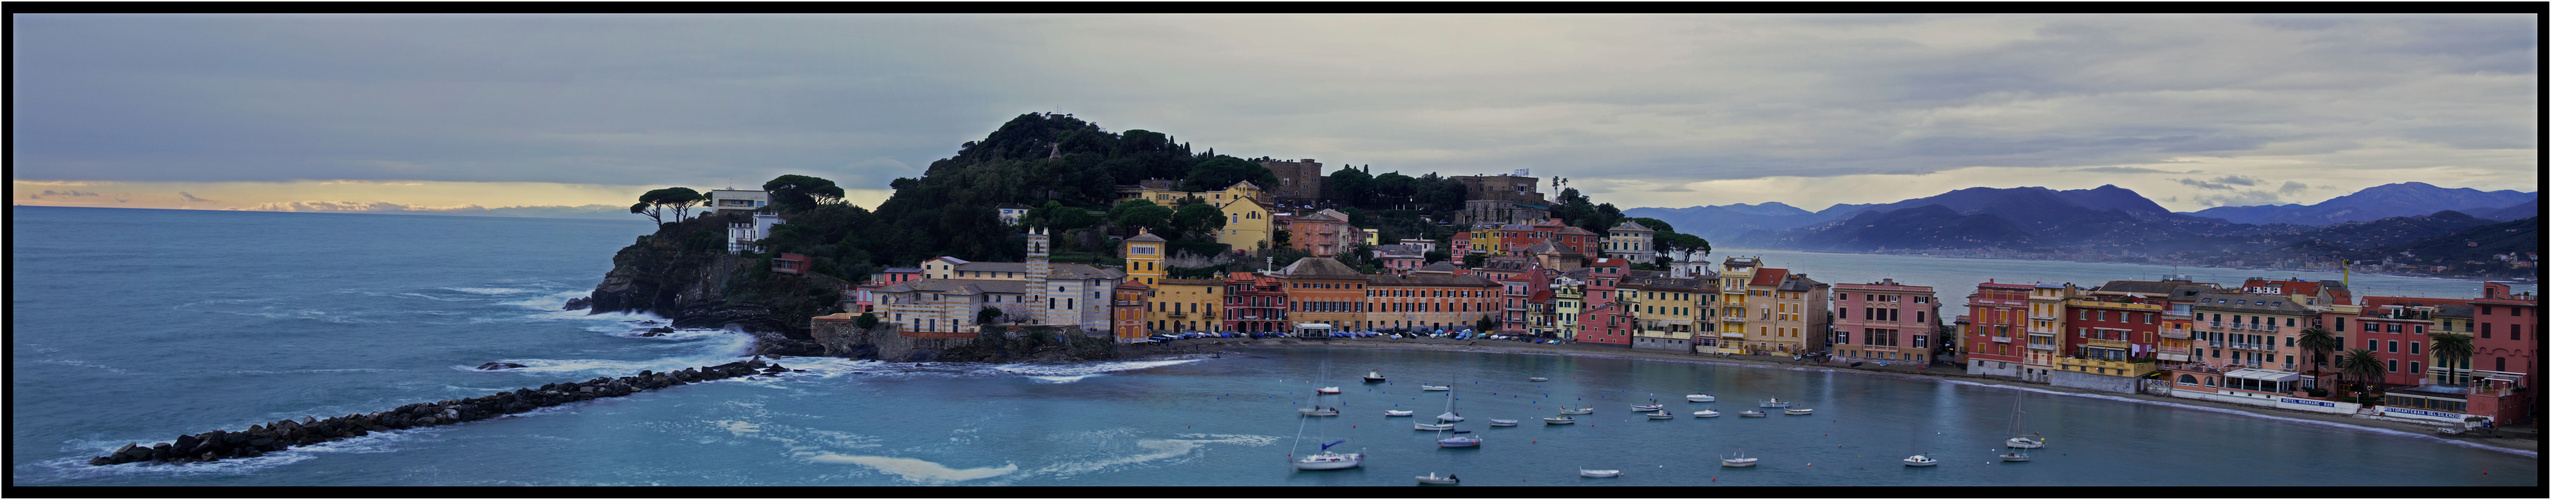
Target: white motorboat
[[1430, 387], [1558, 420], [1705, 413], [1431, 478], [2015, 456], [1775, 403], [1398, 413], [1373, 377], [1920, 461], [1318, 411], [1599, 473], [1739, 461], [1460, 439], [1563, 410], [1499, 422], [1700, 398], [1434, 427], [1752, 414], [1647, 408], [1327, 390], [1798, 411], [1661, 415], [1539, 379]]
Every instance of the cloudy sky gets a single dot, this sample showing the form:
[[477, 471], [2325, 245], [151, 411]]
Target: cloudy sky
[[389, 113]]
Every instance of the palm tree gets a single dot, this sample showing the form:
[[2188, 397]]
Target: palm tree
[[2452, 350], [2317, 343], [2362, 365]]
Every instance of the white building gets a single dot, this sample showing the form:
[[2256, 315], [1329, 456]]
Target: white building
[[727, 200], [1035, 292], [741, 236]]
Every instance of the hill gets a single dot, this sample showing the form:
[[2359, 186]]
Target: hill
[[2378, 202]]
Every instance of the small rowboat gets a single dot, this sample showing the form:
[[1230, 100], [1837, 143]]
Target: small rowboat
[[1539, 379], [1775, 403], [1558, 420], [1426, 387], [1398, 413], [1798, 411], [1739, 461], [1647, 408], [1499, 422], [1705, 413], [2015, 456], [1752, 414], [1920, 461], [1318, 412], [1434, 427], [1700, 398], [1599, 473], [1563, 410], [1374, 377], [1327, 390], [1661, 415], [1431, 478]]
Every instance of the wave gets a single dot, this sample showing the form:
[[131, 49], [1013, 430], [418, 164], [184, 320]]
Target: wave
[[422, 296], [487, 291], [85, 364], [1043, 379], [715, 350], [1152, 449], [913, 469], [555, 301], [1085, 370]]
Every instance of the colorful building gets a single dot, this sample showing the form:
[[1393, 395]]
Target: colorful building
[[2250, 337], [1131, 300], [1322, 292], [1734, 312], [1254, 303], [2395, 330], [2113, 342], [1665, 308], [1997, 316], [1320, 234], [1185, 305], [2510, 328], [1631, 241], [1885, 321], [1800, 317], [2046, 340], [1429, 301], [1605, 324], [1144, 258]]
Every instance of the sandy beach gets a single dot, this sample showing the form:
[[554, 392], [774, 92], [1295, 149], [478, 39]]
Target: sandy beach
[[2519, 439]]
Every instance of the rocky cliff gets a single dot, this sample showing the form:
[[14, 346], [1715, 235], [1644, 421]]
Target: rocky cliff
[[684, 273]]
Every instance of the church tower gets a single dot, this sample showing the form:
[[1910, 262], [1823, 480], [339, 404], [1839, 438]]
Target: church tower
[[1038, 247]]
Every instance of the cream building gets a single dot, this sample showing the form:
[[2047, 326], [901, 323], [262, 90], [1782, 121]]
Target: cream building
[[1035, 292]]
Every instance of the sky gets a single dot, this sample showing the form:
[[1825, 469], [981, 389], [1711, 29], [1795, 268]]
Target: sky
[[580, 113]]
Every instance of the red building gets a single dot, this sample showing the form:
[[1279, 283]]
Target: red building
[[2395, 329], [1604, 279], [1253, 303], [1131, 297], [1997, 316], [1460, 245], [1575, 238], [1605, 324], [789, 263], [2509, 333], [1516, 318], [2114, 329]]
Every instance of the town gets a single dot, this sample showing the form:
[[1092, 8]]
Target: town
[[1517, 273]]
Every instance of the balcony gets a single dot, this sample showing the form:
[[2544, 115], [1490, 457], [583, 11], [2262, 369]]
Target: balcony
[[2004, 340], [2120, 344], [2214, 343], [2103, 367], [2167, 356], [2174, 334], [2041, 347], [1731, 335]]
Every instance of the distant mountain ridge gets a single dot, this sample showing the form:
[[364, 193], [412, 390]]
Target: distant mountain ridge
[[2375, 203]]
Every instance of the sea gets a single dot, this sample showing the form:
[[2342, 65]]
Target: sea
[[135, 326]]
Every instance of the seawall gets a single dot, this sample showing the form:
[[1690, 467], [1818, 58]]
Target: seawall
[[260, 439]]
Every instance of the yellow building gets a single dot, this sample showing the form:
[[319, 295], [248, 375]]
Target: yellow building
[[1484, 239], [1185, 305], [1665, 308], [1247, 226], [1795, 320], [1734, 333], [2045, 329], [1143, 256]]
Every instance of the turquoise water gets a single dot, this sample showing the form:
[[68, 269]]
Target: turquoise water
[[139, 325]]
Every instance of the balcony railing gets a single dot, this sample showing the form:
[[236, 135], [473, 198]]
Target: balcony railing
[[2174, 334], [2214, 343], [2004, 340], [2041, 347]]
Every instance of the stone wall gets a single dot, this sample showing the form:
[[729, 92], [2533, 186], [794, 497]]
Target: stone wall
[[2102, 383], [1993, 368], [885, 342]]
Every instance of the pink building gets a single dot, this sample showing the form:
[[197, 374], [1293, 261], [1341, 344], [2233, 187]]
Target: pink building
[[1885, 321]]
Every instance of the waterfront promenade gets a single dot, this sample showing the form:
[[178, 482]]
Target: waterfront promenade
[[2515, 438]]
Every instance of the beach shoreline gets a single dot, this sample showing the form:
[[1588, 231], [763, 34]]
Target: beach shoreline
[[2519, 441]]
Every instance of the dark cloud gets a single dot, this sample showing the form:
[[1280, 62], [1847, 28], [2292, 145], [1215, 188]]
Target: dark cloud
[[192, 198], [2291, 188], [2124, 170], [2237, 199]]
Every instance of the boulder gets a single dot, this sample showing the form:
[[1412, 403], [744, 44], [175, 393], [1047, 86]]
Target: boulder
[[499, 366], [578, 304]]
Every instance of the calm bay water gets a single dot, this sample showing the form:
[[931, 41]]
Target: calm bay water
[[139, 325], [1953, 278]]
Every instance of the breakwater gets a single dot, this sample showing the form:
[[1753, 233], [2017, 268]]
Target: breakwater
[[260, 439]]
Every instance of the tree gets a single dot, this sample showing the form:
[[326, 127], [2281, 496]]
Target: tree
[[650, 210], [2454, 351], [2362, 365], [680, 199], [1222, 171], [1486, 324], [1139, 213], [1683, 245], [2316, 344], [1660, 226], [1350, 186], [1198, 221], [1394, 188], [800, 192], [866, 321], [987, 315], [1283, 238]]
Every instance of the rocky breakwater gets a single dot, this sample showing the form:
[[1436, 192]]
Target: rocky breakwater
[[260, 439]]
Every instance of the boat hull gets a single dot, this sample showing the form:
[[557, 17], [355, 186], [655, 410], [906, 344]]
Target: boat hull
[[2023, 443], [1434, 427], [1752, 414], [1556, 421], [1330, 461], [1798, 411], [1704, 414], [2014, 458], [1599, 473], [1461, 443], [1501, 423], [1698, 398], [1736, 463], [1437, 480]]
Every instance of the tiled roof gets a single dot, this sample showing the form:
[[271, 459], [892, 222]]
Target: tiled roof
[[1632, 225], [1769, 276], [1799, 283], [2243, 301], [1320, 268], [1429, 280], [955, 286], [1146, 237]]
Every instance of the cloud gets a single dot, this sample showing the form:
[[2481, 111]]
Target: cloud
[[2237, 199], [60, 194], [192, 198], [2291, 188], [2225, 182], [2124, 170]]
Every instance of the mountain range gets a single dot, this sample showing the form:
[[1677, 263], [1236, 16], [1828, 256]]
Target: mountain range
[[2108, 221]]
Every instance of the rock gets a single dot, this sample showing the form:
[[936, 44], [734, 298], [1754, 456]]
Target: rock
[[578, 304], [499, 366], [187, 442], [261, 442]]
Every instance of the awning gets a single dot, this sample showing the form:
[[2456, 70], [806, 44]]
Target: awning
[[2264, 375]]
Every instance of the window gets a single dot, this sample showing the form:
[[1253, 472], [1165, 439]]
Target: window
[[2391, 365], [2413, 367], [2413, 348], [2484, 330], [2515, 332]]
